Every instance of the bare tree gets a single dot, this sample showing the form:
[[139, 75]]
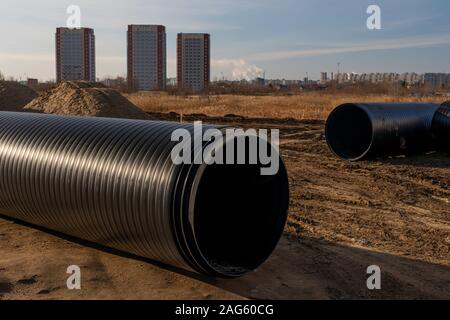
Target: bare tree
[[2, 76]]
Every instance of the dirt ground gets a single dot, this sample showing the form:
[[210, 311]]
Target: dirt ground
[[14, 96], [344, 217], [81, 98]]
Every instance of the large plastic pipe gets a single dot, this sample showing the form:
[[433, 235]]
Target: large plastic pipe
[[441, 126], [113, 182], [356, 131]]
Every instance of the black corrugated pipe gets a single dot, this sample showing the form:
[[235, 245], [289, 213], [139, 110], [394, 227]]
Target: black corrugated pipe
[[113, 182], [441, 126], [356, 131]]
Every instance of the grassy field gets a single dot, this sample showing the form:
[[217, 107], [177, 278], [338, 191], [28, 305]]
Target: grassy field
[[310, 105]]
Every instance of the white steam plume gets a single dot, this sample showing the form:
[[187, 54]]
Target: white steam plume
[[236, 69]]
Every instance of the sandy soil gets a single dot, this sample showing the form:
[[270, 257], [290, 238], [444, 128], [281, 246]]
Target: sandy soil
[[81, 98], [393, 213]]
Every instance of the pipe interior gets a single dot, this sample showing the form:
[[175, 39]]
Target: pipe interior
[[239, 216], [349, 132]]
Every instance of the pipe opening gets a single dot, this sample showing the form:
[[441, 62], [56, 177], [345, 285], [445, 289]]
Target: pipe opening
[[349, 132], [239, 216]]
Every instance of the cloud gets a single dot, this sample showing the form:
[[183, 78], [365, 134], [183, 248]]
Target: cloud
[[390, 44], [235, 69], [409, 22]]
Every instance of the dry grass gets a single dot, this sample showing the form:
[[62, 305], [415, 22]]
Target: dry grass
[[309, 105]]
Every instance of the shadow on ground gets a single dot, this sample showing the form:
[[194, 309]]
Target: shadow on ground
[[315, 269], [299, 269]]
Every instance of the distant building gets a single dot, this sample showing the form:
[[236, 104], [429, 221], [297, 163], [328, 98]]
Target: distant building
[[32, 83], [146, 57], [323, 77], [376, 78], [193, 61], [75, 54], [343, 77], [171, 82], [436, 80], [259, 81]]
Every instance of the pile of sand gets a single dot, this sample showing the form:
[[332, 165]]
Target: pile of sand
[[14, 96], [86, 99]]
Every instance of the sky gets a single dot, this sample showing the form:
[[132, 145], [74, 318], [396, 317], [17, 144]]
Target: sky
[[283, 39]]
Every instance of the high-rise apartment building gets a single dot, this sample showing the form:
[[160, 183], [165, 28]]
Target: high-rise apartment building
[[146, 57], [193, 61], [75, 54]]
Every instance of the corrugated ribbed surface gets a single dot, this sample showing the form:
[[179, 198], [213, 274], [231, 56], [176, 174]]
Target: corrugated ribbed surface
[[441, 126], [109, 181], [113, 182]]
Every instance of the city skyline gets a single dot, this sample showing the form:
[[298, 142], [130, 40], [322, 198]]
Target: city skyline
[[250, 38]]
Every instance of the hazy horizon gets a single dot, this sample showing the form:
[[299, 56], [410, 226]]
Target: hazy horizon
[[287, 39]]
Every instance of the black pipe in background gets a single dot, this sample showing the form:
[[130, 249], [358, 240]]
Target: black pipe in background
[[113, 182], [356, 131], [441, 126]]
